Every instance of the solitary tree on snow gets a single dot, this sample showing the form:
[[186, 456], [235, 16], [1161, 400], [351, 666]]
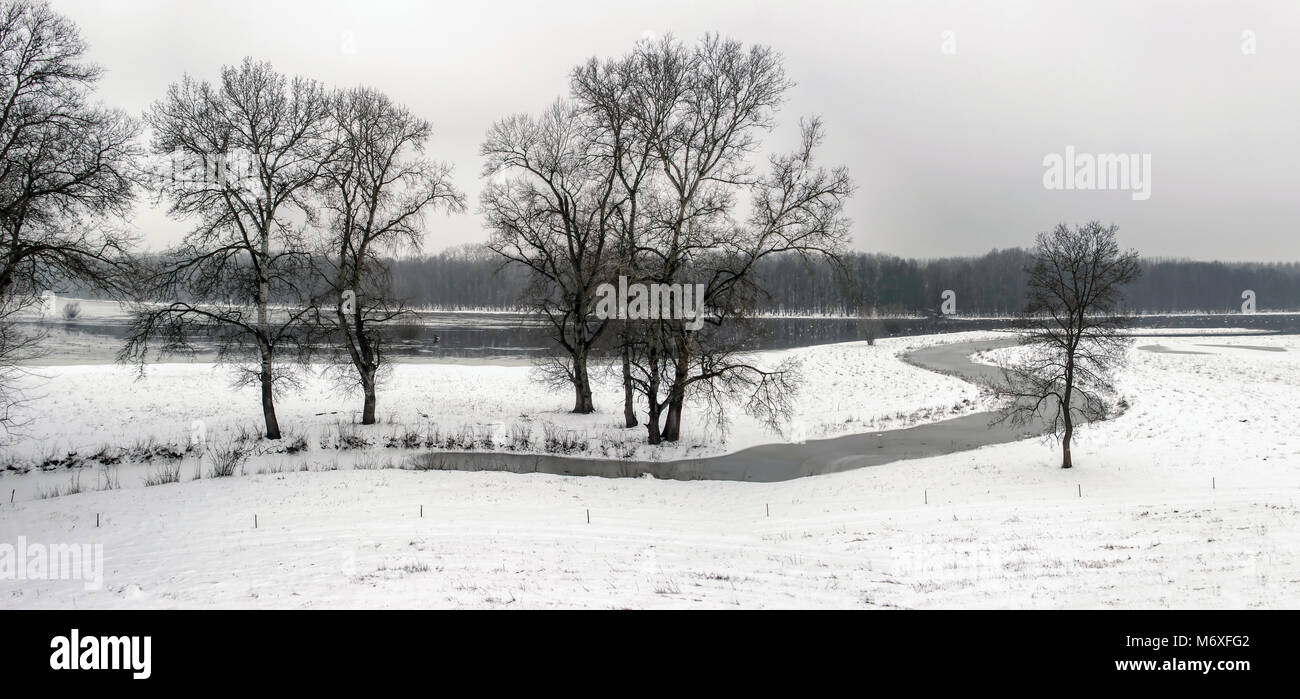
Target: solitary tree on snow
[[1071, 341]]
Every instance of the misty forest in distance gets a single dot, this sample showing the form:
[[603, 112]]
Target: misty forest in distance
[[471, 277], [990, 284]]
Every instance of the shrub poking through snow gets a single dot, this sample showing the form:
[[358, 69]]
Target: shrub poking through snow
[[346, 437], [520, 437], [433, 436], [146, 450], [403, 438], [558, 440], [53, 460], [74, 487], [464, 440], [169, 472], [108, 456], [616, 446], [297, 444], [227, 458]]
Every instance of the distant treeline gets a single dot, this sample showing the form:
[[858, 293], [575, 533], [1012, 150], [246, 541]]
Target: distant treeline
[[471, 277], [990, 284]]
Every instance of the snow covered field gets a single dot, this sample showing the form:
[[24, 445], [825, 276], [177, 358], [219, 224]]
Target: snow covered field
[[1186, 500], [850, 387]]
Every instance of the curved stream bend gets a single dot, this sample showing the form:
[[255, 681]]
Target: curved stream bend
[[779, 462]]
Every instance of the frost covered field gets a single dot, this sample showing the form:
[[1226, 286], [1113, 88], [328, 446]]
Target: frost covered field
[[1186, 500], [850, 387]]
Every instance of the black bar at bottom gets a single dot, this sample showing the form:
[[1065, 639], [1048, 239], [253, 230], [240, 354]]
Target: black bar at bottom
[[637, 650]]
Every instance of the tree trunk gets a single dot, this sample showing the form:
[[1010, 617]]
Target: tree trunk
[[1067, 435], [629, 408], [368, 386], [263, 328], [673, 423], [652, 400], [582, 402], [1065, 411], [268, 398], [652, 423], [1065, 448], [676, 397], [364, 357]]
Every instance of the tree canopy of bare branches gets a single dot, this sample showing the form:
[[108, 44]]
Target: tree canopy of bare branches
[[68, 173], [549, 203], [67, 165], [1071, 324], [708, 107], [640, 173], [243, 155], [376, 188]]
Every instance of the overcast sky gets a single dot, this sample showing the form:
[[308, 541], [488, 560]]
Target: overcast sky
[[942, 111]]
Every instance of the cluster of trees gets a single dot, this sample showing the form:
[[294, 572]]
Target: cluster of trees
[[638, 176], [466, 277], [297, 192], [298, 195], [307, 205]]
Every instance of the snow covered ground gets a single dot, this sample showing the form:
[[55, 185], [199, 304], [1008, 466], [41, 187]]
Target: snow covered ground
[[850, 387], [1186, 500]]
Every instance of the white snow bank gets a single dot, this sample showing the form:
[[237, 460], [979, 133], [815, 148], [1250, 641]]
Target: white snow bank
[[849, 387], [1187, 500]]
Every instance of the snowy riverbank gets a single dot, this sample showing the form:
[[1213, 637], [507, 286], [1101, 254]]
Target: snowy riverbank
[[1187, 500]]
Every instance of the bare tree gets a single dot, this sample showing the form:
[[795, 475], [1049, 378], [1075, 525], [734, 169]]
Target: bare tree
[[612, 94], [377, 188], [710, 104], [549, 203], [67, 165], [254, 144], [1071, 321], [68, 171], [639, 175]]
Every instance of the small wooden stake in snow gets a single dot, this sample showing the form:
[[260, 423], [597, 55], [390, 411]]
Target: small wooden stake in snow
[[421, 511], [588, 516], [769, 509], [11, 495], [255, 521], [1080, 490], [97, 520], [1213, 485], [927, 496]]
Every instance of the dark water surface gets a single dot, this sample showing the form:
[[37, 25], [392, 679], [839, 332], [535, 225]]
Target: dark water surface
[[513, 335], [780, 462]]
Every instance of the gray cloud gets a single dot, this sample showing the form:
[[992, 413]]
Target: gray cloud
[[947, 149]]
